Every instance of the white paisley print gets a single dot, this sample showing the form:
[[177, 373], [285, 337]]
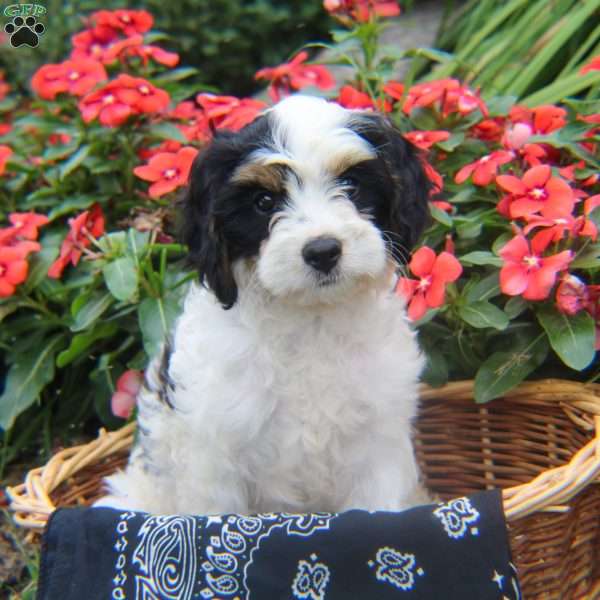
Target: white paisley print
[[166, 557], [456, 515], [311, 580]]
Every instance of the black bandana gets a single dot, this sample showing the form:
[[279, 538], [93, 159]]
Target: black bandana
[[455, 550]]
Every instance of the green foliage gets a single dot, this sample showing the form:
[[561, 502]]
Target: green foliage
[[530, 49]]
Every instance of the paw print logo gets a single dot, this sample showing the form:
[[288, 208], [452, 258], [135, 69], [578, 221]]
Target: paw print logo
[[24, 31]]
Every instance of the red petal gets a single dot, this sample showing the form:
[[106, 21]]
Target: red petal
[[537, 176], [513, 279], [515, 249], [422, 261], [417, 307], [511, 184], [434, 296], [446, 268]]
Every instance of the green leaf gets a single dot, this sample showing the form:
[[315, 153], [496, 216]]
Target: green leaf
[[488, 287], [502, 371], [436, 368], [571, 337], [515, 306], [82, 341], [26, 379], [76, 159], [40, 262], [481, 257], [137, 242], [157, 317], [588, 258], [469, 230], [167, 131], [483, 314], [455, 140], [72, 204], [121, 278], [7, 307], [92, 310], [175, 75], [440, 216]]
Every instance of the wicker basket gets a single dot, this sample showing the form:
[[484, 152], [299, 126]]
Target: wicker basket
[[540, 444]]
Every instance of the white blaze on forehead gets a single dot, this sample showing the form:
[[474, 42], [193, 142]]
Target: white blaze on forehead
[[311, 136]]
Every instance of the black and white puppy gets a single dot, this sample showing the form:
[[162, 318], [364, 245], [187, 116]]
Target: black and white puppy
[[291, 382]]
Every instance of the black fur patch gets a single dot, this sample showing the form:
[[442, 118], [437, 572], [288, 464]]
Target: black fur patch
[[220, 223], [166, 383], [393, 186]]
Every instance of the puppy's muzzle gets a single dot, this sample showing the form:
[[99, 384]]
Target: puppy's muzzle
[[322, 253]]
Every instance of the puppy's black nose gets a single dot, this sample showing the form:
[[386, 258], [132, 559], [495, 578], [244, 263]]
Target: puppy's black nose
[[322, 253]]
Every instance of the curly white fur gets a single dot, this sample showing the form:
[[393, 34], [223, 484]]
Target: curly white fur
[[300, 397]]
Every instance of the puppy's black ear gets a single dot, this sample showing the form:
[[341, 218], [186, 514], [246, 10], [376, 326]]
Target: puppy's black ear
[[408, 210], [200, 231]]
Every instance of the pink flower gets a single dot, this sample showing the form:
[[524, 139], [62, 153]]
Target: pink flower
[[571, 295], [361, 10], [526, 271], [538, 192], [124, 398], [542, 119], [295, 75], [434, 273], [485, 169]]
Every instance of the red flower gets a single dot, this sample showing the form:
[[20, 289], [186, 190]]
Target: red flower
[[129, 22], [229, 112], [4, 87], [295, 75], [167, 170], [434, 177], [134, 46], [426, 139], [94, 44], [14, 266], [121, 98], [361, 10], [5, 154], [593, 65], [451, 96], [394, 89], [124, 398], [434, 273], [537, 192], [526, 271], [195, 124], [166, 146], [350, 97], [489, 130], [25, 225], [542, 119], [89, 224], [76, 77], [485, 169]]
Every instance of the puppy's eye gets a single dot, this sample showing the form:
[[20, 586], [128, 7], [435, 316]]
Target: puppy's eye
[[350, 184], [265, 202]]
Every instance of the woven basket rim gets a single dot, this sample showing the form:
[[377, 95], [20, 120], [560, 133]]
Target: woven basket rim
[[550, 491]]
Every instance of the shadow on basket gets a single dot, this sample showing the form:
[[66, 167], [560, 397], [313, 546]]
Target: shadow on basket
[[540, 444]]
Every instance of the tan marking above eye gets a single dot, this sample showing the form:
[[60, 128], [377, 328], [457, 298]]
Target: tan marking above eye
[[340, 163], [268, 177]]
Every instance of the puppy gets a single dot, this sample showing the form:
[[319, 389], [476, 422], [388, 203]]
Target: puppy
[[291, 381]]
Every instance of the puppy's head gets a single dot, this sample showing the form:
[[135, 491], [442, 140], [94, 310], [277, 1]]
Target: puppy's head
[[311, 200]]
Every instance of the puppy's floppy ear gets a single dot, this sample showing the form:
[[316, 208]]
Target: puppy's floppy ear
[[199, 229], [408, 211]]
